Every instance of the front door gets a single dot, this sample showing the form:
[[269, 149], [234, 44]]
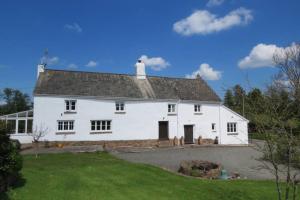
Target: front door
[[163, 130], [188, 134]]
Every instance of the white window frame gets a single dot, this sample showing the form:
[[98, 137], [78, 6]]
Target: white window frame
[[68, 103], [120, 107], [99, 124], [214, 127], [197, 108], [172, 108], [232, 128], [70, 124]]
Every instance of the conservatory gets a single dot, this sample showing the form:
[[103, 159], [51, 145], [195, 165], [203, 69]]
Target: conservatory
[[19, 125]]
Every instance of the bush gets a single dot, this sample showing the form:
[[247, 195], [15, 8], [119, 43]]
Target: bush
[[10, 159]]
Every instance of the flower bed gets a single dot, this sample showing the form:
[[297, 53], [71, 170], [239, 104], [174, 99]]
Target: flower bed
[[200, 168]]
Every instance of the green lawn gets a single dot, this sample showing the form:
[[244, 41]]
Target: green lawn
[[102, 176]]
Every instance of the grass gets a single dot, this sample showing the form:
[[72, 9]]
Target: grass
[[102, 176]]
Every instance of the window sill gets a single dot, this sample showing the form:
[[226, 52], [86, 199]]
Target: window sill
[[70, 112], [198, 113], [101, 132], [120, 112], [232, 133], [20, 134], [170, 114], [65, 132]]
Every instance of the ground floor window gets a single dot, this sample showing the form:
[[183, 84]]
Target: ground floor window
[[65, 125], [231, 127], [100, 125]]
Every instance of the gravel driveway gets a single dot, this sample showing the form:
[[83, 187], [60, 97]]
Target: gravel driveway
[[242, 160]]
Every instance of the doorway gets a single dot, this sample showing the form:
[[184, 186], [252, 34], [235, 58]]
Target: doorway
[[188, 134], [163, 130]]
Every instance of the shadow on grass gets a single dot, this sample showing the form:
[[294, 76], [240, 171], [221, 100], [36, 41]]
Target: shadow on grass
[[20, 182]]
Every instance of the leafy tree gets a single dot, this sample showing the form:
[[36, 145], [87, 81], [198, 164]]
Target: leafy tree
[[10, 159], [15, 101], [239, 98], [282, 138], [229, 99]]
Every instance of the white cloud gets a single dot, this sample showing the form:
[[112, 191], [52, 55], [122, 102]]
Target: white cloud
[[203, 22], [50, 61], [91, 63], [73, 27], [212, 3], [155, 63], [72, 66], [260, 56], [206, 72]]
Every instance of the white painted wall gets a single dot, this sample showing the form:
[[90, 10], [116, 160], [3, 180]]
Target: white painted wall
[[140, 121]]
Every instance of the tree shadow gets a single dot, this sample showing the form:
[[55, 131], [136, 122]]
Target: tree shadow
[[20, 182], [4, 196]]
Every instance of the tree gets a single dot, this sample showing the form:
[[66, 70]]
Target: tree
[[281, 127], [15, 101], [37, 134], [10, 159], [256, 112], [229, 99], [239, 95], [288, 62]]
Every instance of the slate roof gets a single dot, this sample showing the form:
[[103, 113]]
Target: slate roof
[[108, 85]]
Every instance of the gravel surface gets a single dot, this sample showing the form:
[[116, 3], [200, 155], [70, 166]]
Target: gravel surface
[[242, 160]]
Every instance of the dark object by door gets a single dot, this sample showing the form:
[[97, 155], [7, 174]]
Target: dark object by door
[[188, 134], [163, 130]]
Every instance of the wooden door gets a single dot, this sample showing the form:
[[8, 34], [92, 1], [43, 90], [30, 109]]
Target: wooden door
[[188, 134], [163, 130]]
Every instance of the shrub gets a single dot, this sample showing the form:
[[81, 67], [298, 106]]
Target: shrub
[[10, 159]]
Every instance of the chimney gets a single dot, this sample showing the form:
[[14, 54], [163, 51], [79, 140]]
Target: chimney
[[140, 70], [40, 69]]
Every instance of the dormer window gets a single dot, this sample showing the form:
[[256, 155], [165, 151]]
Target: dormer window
[[120, 107], [171, 108], [197, 108], [70, 105]]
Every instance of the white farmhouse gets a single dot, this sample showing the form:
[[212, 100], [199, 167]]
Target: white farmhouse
[[120, 109]]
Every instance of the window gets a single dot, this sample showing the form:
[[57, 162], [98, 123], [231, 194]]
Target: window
[[65, 125], [21, 126], [171, 108], [197, 108], [70, 105], [120, 107], [29, 126], [213, 127], [11, 126], [100, 125], [231, 127]]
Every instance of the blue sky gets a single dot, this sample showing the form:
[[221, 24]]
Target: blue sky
[[227, 42]]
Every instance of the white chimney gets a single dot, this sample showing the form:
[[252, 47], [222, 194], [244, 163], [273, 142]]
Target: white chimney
[[40, 69], [140, 70]]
